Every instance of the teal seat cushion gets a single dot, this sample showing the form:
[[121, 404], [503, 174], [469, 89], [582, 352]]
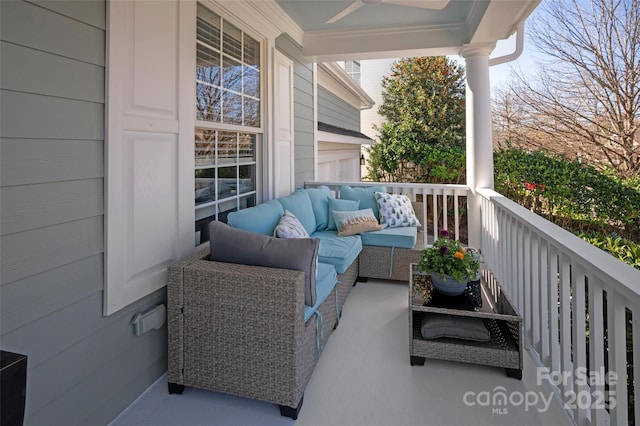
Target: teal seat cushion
[[365, 195], [326, 281], [261, 219], [404, 237], [337, 251], [299, 204], [320, 197]]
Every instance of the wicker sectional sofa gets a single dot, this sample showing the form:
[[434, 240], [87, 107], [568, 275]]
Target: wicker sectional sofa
[[245, 330]]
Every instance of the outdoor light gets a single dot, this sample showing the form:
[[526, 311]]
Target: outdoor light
[[361, 159]]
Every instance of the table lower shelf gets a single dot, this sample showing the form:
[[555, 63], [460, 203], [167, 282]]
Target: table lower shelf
[[501, 351]]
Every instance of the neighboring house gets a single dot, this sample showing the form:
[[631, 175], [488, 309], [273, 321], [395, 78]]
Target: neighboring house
[[127, 126], [369, 74], [340, 102]]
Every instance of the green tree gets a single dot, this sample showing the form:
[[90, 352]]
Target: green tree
[[424, 107]]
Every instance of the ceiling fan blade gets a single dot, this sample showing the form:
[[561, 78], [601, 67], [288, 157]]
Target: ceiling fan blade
[[349, 9], [425, 4]]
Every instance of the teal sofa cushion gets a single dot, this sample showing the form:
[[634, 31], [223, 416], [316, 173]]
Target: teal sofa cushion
[[338, 205], [404, 237], [299, 204], [337, 251], [365, 195], [320, 197], [261, 219], [326, 281]]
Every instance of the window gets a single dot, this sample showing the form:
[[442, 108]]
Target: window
[[228, 128], [353, 69]]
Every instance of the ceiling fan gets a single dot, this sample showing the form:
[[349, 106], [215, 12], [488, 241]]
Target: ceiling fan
[[357, 4]]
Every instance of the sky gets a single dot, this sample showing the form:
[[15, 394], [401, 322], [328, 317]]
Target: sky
[[502, 74]]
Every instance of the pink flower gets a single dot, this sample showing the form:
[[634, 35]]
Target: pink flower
[[444, 233]]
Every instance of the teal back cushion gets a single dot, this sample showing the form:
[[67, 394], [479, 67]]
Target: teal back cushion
[[338, 205], [364, 195], [261, 219], [320, 197], [299, 204]]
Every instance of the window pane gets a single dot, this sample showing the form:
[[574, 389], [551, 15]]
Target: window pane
[[247, 147], [208, 27], [232, 41], [227, 182], [227, 147], [251, 82], [232, 75], [205, 146], [247, 181], [208, 65], [251, 112], [205, 186], [208, 103], [232, 108], [251, 51], [247, 201]]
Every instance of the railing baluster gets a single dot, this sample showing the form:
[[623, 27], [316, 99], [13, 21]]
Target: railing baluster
[[527, 287], [435, 215], [579, 342], [596, 346], [456, 214], [535, 294], [554, 303], [545, 329], [565, 324], [616, 333], [445, 213]]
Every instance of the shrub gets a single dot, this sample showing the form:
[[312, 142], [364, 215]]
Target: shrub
[[573, 195]]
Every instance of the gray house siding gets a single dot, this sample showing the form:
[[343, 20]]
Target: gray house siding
[[333, 110], [83, 368], [302, 110]]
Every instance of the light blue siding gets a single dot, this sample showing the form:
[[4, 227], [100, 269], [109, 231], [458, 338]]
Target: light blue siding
[[335, 111]]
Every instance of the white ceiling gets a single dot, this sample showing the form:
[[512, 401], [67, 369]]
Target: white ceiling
[[387, 30]]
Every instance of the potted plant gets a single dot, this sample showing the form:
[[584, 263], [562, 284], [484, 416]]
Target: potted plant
[[450, 265]]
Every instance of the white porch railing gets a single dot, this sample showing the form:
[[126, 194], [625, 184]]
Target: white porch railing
[[433, 197], [576, 301]]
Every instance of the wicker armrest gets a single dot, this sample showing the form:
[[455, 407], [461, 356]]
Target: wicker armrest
[[239, 329]]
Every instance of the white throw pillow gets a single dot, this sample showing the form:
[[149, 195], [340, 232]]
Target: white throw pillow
[[290, 227], [395, 210]]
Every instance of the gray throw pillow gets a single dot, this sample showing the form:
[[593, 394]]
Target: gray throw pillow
[[458, 327], [237, 246]]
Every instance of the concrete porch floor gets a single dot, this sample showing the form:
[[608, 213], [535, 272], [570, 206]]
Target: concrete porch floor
[[364, 378]]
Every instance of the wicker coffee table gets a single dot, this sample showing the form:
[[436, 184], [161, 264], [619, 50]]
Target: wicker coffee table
[[505, 347]]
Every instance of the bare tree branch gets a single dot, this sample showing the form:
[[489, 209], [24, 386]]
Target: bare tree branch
[[587, 93]]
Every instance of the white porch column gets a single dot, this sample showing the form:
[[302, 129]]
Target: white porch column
[[479, 139]]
